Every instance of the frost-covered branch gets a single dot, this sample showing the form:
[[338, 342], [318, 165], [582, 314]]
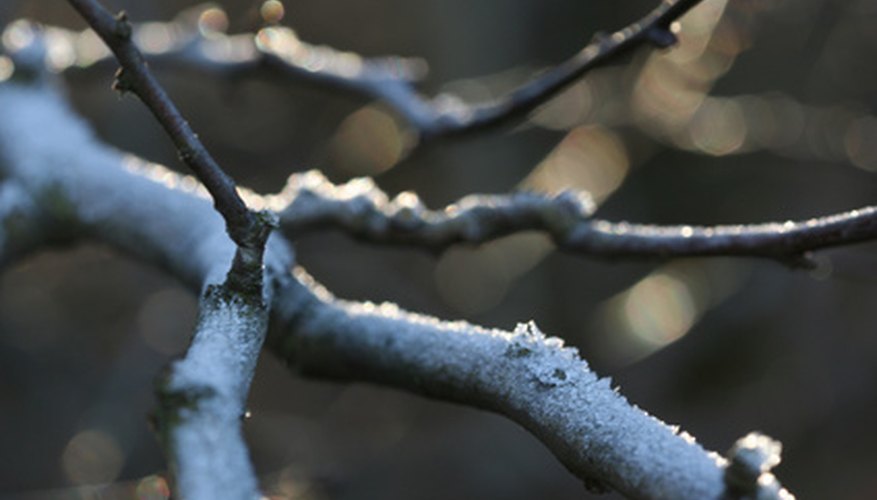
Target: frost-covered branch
[[361, 209], [202, 400], [530, 378], [145, 211], [111, 197], [277, 52]]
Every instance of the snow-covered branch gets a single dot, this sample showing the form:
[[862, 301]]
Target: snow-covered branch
[[361, 209], [202, 399], [278, 53], [529, 377], [148, 212]]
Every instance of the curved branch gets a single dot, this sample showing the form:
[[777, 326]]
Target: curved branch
[[361, 209], [524, 375], [278, 52]]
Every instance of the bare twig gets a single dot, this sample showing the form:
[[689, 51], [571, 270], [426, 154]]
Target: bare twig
[[277, 51], [361, 209], [135, 76]]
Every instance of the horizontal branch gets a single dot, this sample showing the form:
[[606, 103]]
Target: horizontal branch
[[147, 212], [530, 378], [362, 210], [277, 52]]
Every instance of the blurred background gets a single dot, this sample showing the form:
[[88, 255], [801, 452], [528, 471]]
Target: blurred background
[[763, 112]]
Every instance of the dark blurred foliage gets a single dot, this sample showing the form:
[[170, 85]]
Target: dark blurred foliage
[[763, 113]]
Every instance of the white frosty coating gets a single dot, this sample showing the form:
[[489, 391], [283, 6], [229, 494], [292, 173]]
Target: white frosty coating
[[211, 458], [534, 380], [137, 213], [53, 156], [310, 201]]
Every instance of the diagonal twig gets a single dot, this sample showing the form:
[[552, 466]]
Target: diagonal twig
[[134, 76]]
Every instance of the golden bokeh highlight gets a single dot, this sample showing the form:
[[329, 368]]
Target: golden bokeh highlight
[[272, 11], [212, 22], [152, 488], [718, 127], [7, 68], [92, 457], [664, 306], [369, 141], [590, 158], [860, 143]]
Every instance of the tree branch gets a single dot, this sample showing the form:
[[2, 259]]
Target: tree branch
[[134, 76], [202, 399], [361, 209], [278, 52], [521, 374], [524, 375]]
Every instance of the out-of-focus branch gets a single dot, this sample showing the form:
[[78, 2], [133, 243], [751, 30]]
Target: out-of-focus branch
[[361, 209], [278, 52], [146, 211], [24, 225]]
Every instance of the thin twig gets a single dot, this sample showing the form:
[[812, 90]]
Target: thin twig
[[361, 209], [134, 76]]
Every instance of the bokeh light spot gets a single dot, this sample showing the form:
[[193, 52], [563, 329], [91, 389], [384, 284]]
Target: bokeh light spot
[[153, 488], [272, 11], [92, 457], [369, 142], [154, 38], [589, 158], [7, 68], [718, 127], [212, 22]]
